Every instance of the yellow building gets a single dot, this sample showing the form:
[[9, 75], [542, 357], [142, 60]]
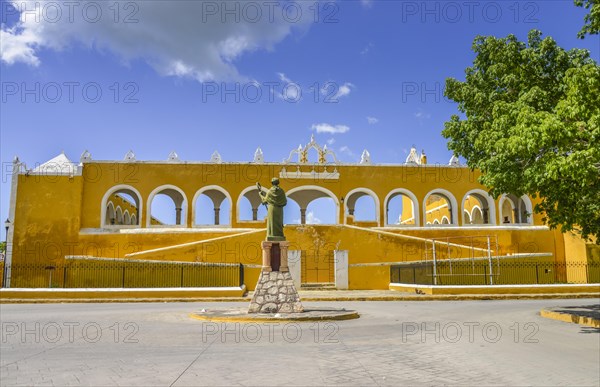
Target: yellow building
[[104, 210]]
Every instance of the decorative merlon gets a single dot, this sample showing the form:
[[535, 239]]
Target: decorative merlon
[[129, 156], [216, 158], [365, 158], [258, 156], [454, 161], [173, 157], [86, 157]]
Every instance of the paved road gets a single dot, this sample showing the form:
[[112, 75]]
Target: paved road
[[393, 343]]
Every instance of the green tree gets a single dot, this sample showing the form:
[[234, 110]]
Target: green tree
[[532, 126], [592, 19]]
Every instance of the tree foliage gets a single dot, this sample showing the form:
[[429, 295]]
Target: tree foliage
[[592, 19], [532, 126]]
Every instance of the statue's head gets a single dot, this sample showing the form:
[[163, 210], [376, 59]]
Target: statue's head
[[275, 181]]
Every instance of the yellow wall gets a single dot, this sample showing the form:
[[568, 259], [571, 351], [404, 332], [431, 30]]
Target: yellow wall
[[56, 216]]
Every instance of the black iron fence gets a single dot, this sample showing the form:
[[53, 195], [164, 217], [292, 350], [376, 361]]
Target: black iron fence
[[124, 275], [470, 272]]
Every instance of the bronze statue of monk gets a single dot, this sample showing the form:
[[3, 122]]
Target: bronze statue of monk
[[275, 200]]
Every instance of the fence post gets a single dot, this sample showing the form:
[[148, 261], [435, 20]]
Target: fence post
[[434, 265], [490, 260], [537, 274], [241, 275]]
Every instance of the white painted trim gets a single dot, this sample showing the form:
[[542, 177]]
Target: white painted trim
[[108, 194], [17, 167], [184, 206], [321, 189], [367, 192], [449, 197], [207, 188], [239, 201], [413, 198], [490, 202]]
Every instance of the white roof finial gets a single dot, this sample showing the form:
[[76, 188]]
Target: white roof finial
[[216, 158], [365, 158], [413, 157], [258, 156]]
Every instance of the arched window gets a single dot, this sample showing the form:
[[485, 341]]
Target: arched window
[[439, 203], [316, 205], [401, 208], [212, 207], [126, 198], [361, 205], [110, 213], [126, 218], [250, 207], [480, 205], [466, 217], [516, 210], [476, 215], [119, 216], [167, 206]]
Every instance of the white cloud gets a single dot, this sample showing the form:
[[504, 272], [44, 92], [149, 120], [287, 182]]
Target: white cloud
[[422, 115], [372, 120], [180, 38], [331, 129], [334, 92], [367, 3], [331, 141], [366, 50], [291, 90], [312, 219]]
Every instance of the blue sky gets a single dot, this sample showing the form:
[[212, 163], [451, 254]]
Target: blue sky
[[162, 68]]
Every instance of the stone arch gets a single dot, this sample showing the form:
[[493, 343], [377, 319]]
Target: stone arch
[[179, 199], [477, 215], [110, 213], [451, 202], [126, 218], [486, 206], [306, 194], [250, 194], [217, 195], [352, 197], [415, 204], [445, 220], [119, 216], [124, 189], [466, 217]]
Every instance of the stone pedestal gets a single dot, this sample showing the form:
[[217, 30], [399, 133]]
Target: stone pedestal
[[275, 291]]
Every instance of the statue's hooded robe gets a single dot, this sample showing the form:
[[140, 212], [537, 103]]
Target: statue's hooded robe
[[276, 200]]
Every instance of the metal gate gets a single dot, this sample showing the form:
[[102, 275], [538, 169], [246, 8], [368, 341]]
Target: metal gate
[[318, 267]]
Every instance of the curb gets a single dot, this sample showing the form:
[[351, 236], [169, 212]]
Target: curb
[[570, 318]]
